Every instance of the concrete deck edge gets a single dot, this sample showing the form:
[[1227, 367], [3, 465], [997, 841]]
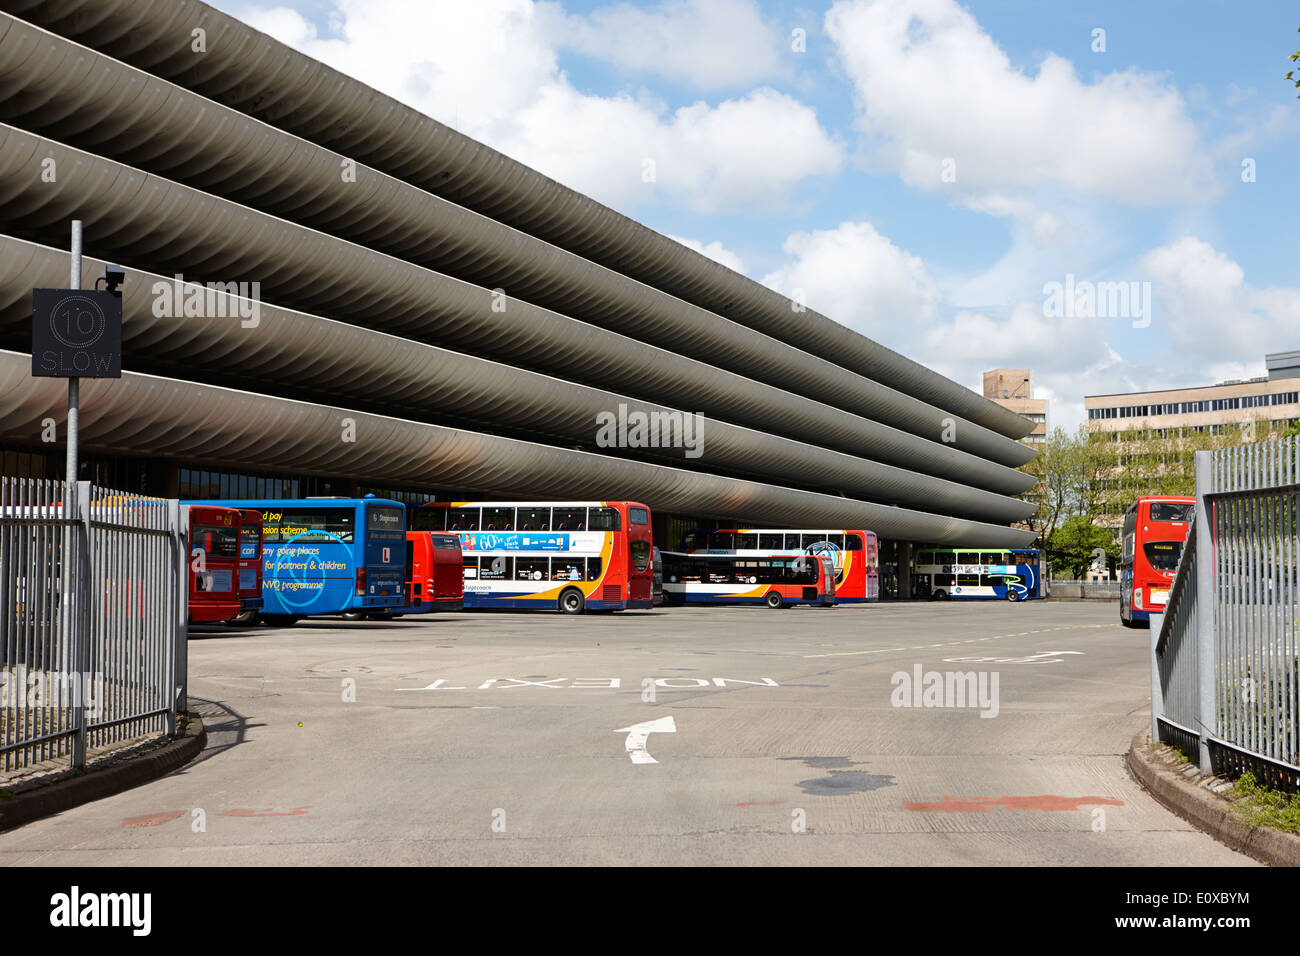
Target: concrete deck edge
[[1208, 811], [26, 806]]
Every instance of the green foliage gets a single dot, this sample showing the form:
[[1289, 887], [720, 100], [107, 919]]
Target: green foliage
[[1291, 74], [1261, 806], [1071, 547]]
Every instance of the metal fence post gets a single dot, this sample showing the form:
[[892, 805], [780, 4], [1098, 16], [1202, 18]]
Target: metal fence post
[[180, 523], [79, 678], [1206, 679], [1157, 689]]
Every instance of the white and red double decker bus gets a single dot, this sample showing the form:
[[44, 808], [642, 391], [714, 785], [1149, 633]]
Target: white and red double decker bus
[[570, 556]]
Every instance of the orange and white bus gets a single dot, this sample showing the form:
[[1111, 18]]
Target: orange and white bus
[[570, 556], [775, 580], [855, 553]]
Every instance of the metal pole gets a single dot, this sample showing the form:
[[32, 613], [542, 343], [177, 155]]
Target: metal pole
[[74, 384], [1206, 685], [72, 579]]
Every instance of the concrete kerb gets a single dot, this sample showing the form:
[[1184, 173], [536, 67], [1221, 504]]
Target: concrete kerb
[[62, 794], [1206, 810]]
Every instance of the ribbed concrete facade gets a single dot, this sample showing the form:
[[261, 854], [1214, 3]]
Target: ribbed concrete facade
[[441, 293]]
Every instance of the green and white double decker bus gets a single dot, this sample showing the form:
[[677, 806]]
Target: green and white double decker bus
[[991, 574]]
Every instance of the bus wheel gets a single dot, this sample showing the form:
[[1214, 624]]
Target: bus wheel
[[939, 596], [353, 615], [773, 599], [1013, 594], [571, 601], [244, 619]]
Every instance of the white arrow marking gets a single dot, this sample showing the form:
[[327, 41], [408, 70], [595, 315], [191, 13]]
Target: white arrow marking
[[637, 734]]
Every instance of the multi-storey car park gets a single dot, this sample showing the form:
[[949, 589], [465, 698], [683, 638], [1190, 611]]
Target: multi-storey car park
[[469, 317]]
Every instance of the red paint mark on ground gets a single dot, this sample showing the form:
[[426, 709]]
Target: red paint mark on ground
[[1046, 801], [242, 812], [151, 819]]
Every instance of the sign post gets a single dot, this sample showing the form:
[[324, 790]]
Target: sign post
[[77, 334]]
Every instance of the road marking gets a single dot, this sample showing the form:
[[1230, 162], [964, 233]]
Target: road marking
[[1042, 657], [995, 637], [637, 734]]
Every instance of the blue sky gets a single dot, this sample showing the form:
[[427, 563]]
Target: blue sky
[[921, 171]]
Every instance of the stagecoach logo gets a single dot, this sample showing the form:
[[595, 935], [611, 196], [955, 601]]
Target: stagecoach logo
[[76, 334]]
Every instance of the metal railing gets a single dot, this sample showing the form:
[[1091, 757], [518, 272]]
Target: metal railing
[[93, 607], [1226, 652], [1079, 588]]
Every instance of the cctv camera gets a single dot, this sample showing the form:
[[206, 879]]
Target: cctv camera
[[114, 276]]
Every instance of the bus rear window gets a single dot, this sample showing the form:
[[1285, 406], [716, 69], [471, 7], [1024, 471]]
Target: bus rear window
[[1170, 511], [306, 525], [217, 541], [379, 518], [638, 515], [1163, 555], [445, 542]]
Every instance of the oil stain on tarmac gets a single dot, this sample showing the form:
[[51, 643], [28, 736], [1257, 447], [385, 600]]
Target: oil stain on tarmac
[[841, 779]]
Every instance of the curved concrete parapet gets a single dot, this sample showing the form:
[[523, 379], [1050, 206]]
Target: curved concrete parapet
[[206, 423], [328, 361], [308, 354], [252, 73], [141, 218]]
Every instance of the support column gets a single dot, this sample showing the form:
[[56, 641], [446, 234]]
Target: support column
[[904, 570]]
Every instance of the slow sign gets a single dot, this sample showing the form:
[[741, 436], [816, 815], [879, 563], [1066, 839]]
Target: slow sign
[[76, 333]]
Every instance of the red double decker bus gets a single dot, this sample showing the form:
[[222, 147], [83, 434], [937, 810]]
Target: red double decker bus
[[855, 554], [214, 563], [1155, 528], [250, 563], [434, 573], [571, 556]]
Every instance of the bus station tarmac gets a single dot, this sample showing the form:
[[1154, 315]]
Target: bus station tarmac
[[932, 734]]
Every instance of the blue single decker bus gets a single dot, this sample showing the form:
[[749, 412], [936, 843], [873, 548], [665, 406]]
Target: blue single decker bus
[[330, 556]]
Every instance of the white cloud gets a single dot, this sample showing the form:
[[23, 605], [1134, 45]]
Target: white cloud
[[490, 69], [859, 278], [1206, 308], [708, 44], [933, 86], [714, 250]]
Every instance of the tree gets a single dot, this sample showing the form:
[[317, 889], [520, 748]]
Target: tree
[[1073, 546], [1291, 74], [1067, 469]]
